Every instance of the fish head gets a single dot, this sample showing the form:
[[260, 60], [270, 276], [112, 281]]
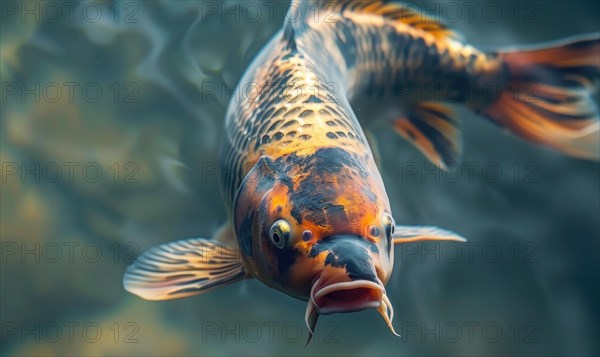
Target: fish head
[[319, 227]]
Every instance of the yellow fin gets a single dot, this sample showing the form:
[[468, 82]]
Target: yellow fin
[[432, 128], [551, 96], [400, 13], [410, 234], [183, 268]]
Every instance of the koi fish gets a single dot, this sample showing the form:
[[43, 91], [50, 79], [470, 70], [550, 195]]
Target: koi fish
[[309, 213]]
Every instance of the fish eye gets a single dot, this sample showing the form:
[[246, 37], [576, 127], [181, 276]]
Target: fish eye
[[374, 231], [390, 226], [280, 233]]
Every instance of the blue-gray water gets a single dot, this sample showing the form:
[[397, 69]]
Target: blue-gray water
[[110, 125]]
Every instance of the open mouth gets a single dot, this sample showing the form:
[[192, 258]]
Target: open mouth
[[347, 297]]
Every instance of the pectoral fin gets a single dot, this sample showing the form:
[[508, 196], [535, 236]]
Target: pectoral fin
[[410, 234], [432, 128], [183, 268]]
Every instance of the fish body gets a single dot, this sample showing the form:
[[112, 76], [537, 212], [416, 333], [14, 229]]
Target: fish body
[[310, 215]]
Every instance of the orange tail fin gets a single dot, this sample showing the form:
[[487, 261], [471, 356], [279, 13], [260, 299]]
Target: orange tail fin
[[549, 98]]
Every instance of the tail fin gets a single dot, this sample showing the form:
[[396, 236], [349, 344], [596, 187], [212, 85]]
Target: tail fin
[[549, 97]]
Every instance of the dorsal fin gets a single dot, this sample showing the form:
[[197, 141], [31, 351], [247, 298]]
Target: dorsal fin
[[289, 36], [402, 13], [395, 12]]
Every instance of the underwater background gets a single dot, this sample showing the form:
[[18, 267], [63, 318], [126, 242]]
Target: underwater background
[[111, 119]]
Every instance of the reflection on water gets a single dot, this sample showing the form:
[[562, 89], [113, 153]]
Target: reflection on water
[[111, 119]]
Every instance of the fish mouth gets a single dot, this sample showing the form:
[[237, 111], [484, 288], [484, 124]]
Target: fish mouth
[[347, 297]]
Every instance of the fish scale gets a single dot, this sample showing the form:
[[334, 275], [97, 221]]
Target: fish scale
[[307, 115]]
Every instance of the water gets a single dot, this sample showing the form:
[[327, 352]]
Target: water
[[111, 117]]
